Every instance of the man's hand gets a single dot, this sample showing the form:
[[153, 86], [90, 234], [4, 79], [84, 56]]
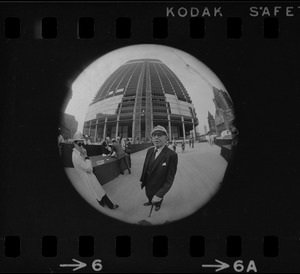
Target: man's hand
[[83, 151], [156, 199]]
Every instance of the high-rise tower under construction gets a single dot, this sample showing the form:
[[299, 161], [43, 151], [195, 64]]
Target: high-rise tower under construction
[[138, 96]]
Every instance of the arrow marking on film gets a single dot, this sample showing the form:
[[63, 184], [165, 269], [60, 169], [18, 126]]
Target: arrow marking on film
[[220, 266], [77, 266]]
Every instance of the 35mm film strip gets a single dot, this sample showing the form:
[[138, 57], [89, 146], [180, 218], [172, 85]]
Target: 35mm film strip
[[149, 137]]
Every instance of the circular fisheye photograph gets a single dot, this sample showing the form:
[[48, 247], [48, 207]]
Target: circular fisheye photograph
[[146, 134]]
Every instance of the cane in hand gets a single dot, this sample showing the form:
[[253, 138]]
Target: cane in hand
[[152, 205]]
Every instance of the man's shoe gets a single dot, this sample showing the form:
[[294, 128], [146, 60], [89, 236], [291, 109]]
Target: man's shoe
[[114, 207], [147, 204], [157, 207], [101, 203]]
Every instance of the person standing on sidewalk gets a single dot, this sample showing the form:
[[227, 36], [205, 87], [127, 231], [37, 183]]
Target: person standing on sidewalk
[[128, 150], [84, 169], [174, 144], [159, 168], [183, 145]]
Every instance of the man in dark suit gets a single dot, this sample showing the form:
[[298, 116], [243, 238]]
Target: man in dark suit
[[159, 169], [121, 156]]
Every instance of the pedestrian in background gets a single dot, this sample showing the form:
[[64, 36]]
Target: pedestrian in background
[[105, 146], [234, 135], [174, 144], [183, 145], [121, 156], [128, 150]]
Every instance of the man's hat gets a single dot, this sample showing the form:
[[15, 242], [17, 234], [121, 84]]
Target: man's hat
[[77, 136], [159, 128]]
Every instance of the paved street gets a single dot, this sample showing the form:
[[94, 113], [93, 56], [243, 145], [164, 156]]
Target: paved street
[[199, 174]]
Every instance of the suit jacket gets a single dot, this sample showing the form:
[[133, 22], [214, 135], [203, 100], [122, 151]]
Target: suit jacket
[[159, 177], [119, 150]]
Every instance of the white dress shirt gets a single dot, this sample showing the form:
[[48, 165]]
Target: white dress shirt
[[159, 150]]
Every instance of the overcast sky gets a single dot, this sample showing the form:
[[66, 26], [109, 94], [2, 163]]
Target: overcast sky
[[195, 76]]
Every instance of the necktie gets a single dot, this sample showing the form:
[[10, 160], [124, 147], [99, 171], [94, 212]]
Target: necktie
[[154, 154]]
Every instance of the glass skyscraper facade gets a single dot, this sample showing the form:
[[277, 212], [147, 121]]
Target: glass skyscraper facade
[[138, 96]]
